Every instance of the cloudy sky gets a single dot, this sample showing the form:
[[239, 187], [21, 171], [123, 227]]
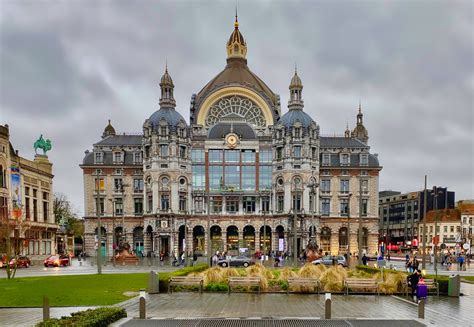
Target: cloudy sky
[[66, 67]]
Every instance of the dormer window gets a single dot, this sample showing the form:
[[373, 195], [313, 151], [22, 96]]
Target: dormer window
[[99, 157], [326, 159], [297, 132], [137, 158], [345, 159], [181, 132], [118, 157], [163, 131], [364, 159], [297, 152]]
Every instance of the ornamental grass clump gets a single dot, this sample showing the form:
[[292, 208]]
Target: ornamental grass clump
[[213, 275], [311, 271], [392, 283], [259, 270], [286, 273], [333, 279], [230, 272]]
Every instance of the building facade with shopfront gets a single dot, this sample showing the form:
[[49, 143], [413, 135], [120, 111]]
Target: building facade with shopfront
[[240, 176]]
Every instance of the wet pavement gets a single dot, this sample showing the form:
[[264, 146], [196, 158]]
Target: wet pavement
[[442, 311]]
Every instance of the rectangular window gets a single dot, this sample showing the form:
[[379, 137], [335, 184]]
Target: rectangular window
[[198, 155], [297, 202], [232, 177], [344, 186], [232, 204], [265, 155], [248, 156], [325, 207], [118, 206], [182, 152], [182, 202], [99, 185], [138, 206], [163, 131], [118, 184], [364, 159], [215, 156], [279, 153], [280, 202], [165, 202], [215, 177], [118, 157], [344, 207], [27, 208], [326, 159], [365, 186], [101, 206], [149, 205], [99, 157], [452, 229], [266, 204], [45, 211], [137, 185], [163, 150], [297, 131], [249, 204], [344, 159], [325, 185], [265, 178], [199, 177], [232, 156], [216, 204], [445, 229], [364, 207], [198, 204], [137, 158], [297, 152], [248, 178], [35, 210]]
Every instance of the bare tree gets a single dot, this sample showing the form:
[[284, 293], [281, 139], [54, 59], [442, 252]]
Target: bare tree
[[11, 240]]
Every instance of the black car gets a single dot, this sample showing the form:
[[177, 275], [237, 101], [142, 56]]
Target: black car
[[238, 261]]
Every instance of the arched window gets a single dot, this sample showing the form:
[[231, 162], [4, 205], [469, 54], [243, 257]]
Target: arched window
[[343, 240]]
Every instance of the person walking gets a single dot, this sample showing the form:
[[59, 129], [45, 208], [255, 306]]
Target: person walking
[[162, 258], [364, 260], [460, 262]]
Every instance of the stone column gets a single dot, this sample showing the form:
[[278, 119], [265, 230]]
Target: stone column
[[224, 240], [257, 240]]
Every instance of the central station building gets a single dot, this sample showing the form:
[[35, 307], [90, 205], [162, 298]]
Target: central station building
[[241, 176]]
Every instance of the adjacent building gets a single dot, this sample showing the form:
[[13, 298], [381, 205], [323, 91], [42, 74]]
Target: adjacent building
[[241, 176], [400, 213], [26, 200]]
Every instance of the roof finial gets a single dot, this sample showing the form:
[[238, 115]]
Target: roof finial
[[236, 24], [296, 69], [166, 66], [360, 107], [109, 121]]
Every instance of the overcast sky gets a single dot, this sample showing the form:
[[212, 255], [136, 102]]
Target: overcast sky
[[66, 67]]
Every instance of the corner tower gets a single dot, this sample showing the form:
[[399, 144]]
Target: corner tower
[[360, 132]]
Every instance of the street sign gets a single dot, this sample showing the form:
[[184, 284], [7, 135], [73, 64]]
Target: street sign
[[466, 246], [443, 246]]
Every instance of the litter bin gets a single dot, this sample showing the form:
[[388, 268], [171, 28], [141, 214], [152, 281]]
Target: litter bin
[[454, 285]]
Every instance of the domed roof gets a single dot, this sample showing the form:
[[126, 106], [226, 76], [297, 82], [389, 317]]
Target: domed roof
[[108, 130], [170, 115], [236, 72], [236, 36], [294, 116], [296, 81], [166, 78]]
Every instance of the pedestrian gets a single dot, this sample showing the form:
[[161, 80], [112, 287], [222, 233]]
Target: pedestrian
[[412, 281], [460, 262], [364, 260], [215, 259], [162, 258], [416, 263], [195, 258]]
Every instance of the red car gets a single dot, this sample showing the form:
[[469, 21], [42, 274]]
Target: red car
[[56, 261], [22, 261]]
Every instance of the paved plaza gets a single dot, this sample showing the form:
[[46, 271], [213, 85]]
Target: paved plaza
[[442, 311]]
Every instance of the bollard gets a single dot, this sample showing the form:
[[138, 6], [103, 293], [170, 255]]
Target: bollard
[[421, 309], [153, 283], [45, 308], [327, 305], [142, 308]]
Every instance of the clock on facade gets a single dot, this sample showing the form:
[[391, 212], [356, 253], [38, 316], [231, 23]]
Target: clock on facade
[[232, 140]]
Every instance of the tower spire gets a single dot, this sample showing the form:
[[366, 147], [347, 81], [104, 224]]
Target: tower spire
[[236, 46], [167, 88], [296, 88], [236, 23]]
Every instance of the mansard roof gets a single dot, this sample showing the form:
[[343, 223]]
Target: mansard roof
[[108, 160], [341, 142], [121, 140]]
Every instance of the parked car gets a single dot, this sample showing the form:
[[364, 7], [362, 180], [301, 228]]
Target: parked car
[[22, 261], [56, 261], [329, 259], [238, 261]]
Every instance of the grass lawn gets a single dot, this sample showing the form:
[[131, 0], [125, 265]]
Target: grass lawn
[[469, 278], [80, 290]]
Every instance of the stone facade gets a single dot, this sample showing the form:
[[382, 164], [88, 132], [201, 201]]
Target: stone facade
[[26, 196], [241, 177]]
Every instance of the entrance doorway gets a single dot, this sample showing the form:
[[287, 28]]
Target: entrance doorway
[[164, 245]]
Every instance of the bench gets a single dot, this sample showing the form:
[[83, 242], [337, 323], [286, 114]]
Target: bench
[[243, 281], [431, 283], [359, 283], [127, 260], [185, 281], [308, 282]]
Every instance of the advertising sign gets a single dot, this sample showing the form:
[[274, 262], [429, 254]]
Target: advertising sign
[[281, 244], [16, 191]]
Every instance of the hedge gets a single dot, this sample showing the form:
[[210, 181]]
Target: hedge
[[101, 317], [164, 277]]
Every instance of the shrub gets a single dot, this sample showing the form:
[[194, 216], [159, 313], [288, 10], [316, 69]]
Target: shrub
[[100, 317], [216, 287], [164, 277]]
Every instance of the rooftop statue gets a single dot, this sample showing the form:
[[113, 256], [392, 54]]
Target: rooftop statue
[[42, 144]]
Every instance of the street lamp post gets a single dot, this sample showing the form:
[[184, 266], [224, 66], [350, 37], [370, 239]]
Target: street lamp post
[[425, 196], [435, 193], [349, 229], [99, 226], [208, 232], [295, 241], [312, 190], [122, 191], [360, 222], [114, 239]]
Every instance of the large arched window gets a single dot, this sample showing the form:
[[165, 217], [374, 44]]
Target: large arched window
[[235, 108], [343, 240]]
